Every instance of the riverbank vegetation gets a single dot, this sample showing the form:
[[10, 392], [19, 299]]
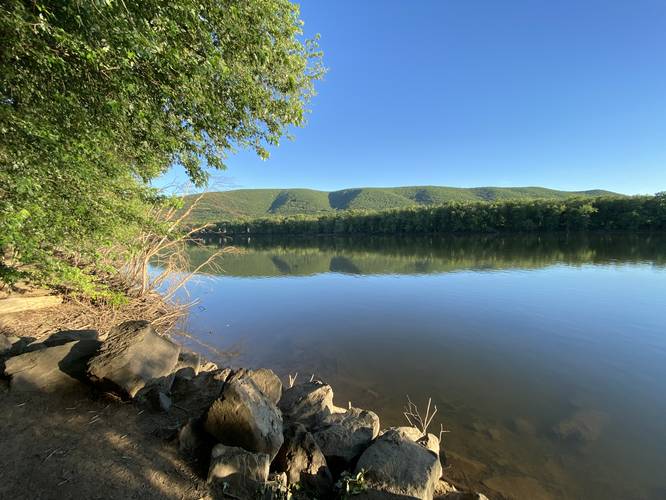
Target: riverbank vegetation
[[99, 98], [605, 213]]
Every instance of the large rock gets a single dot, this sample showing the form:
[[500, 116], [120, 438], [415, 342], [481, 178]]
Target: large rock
[[51, 369], [188, 366], [396, 465], [302, 460], [28, 344], [344, 436], [207, 366], [265, 380], [7, 343], [429, 441], [134, 356], [241, 473], [65, 336], [154, 397], [444, 489], [307, 403], [244, 416], [195, 395], [13, 346], [194, 443]]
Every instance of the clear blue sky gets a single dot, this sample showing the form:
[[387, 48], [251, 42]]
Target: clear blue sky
[[567, 94]]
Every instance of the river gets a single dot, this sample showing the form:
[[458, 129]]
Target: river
[[545, 355]]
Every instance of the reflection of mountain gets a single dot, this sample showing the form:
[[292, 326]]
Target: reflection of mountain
[[431, 254], [343, 265], [281, 265]]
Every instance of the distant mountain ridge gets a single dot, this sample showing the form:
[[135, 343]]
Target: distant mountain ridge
[[252, 203]]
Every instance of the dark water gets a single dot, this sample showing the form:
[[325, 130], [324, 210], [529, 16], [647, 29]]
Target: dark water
[[546, 356]]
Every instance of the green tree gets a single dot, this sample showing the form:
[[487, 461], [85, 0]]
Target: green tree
[[98, 97], [627, 213]]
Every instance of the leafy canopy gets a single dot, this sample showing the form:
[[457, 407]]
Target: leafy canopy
[[98, 97]]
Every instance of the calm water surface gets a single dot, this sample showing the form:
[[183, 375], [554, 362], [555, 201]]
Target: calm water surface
[[545, 355]]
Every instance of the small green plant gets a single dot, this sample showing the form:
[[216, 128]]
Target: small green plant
[[351, 484]]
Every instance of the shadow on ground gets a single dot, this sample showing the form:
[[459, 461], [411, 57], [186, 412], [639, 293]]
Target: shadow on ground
[[89, 445]]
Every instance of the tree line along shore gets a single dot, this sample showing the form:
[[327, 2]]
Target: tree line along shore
[[636, 213]]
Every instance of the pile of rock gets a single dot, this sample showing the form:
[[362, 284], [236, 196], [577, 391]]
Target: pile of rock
[[254, 438]]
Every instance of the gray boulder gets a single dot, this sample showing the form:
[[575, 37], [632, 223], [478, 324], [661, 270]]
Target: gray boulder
[[195, 395], [444, 489], [344, 436], [408, 432], [155, 398], [134, 356], [243, 416], [207, 366], [13, 346], [28, 344], [51, 369], [302, 460], [194, 442], [307, 403], [7, 343], [189, 438], [188, 366], [65, 336], [429, 441], [237, 472], [265, 380], [396, 465]]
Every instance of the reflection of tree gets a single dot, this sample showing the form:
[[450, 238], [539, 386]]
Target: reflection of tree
[[273, 256]]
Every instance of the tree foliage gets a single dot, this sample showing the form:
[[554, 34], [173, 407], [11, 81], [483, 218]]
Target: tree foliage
[[606, 213], [97, 97]]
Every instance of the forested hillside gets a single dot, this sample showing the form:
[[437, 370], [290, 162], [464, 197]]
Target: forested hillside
[[251, 203], [575, 214]]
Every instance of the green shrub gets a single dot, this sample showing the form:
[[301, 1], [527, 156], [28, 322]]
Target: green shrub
[[99, 97]]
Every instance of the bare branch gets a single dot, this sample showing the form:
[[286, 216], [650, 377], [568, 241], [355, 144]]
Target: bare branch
[[191, 274], [414, 417]]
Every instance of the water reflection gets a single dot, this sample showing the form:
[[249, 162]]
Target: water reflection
[[302, 256], [546, 355]]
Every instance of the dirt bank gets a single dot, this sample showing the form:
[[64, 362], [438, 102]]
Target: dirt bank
[[89, 446]]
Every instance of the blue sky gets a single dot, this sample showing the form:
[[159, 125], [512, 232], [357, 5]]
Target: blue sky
[[566, 94]]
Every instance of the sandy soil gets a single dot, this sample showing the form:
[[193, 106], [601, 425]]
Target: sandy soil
[[87, 445]]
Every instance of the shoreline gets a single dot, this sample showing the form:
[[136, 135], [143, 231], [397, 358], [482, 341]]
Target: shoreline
[[161, 415]]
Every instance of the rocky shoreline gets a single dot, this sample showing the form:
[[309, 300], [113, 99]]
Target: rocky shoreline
[[242, 431]]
